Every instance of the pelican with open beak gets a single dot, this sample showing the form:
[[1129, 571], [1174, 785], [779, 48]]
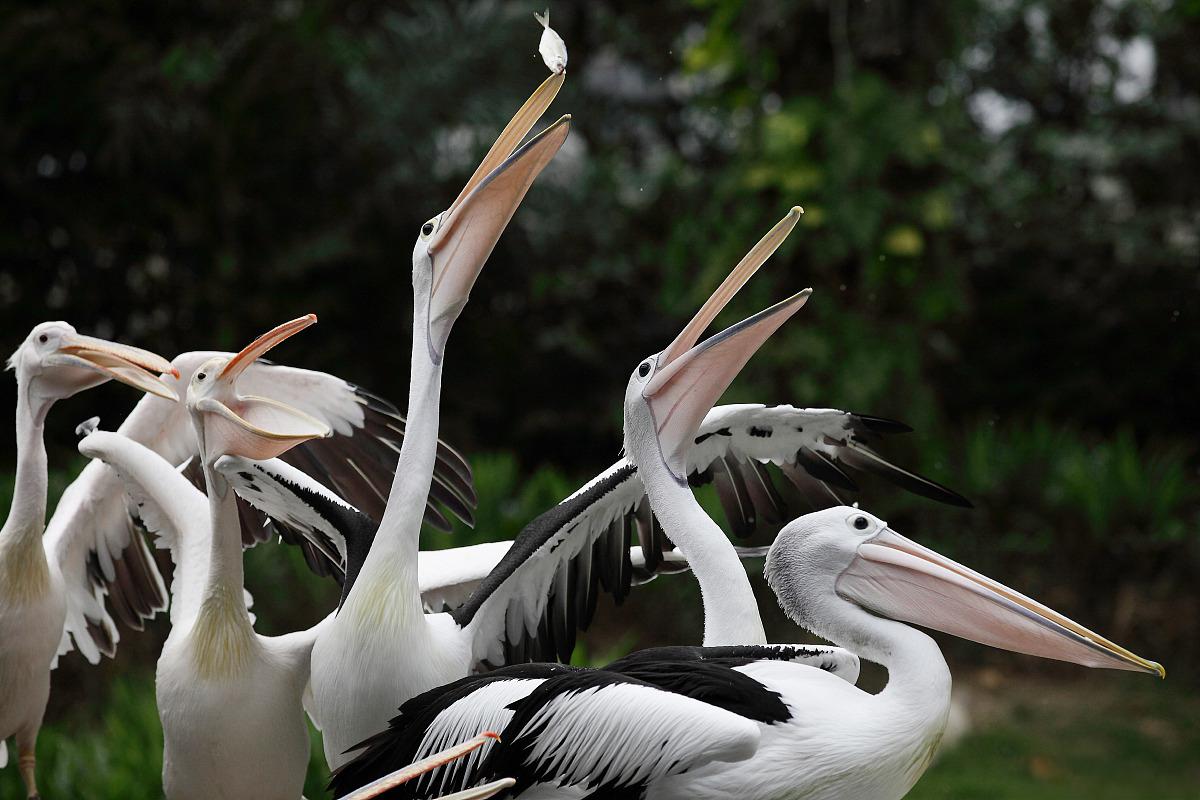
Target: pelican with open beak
[[229, 699], [381, 649], [453, 246], [53, 363], [227, 423], [666, 399]]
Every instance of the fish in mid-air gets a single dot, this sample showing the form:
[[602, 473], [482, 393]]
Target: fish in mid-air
[[552, 47]]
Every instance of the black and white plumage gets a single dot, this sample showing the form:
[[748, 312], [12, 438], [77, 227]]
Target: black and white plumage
[[840, 571], [106, 564], [601, 538], [598, 732]]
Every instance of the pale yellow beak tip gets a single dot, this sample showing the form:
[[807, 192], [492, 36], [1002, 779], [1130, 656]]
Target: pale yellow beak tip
[[796, 211], [1160, 669]]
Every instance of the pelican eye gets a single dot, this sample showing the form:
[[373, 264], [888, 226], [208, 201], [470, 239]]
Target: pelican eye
[[200, 376], [43, 338], [861, 523], [643, 369], [427, 229]]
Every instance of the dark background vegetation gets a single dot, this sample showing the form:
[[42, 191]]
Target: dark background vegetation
[[1002, 231]]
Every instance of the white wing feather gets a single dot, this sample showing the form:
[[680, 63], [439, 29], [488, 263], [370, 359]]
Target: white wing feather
[[169, 506]]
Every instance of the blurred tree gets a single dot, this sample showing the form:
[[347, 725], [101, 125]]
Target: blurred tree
[[1002, 229], [1002, 226]]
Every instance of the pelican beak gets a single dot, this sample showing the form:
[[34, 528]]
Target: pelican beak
[[730, 286], [516, 129], [894, 576], [404, 775], [681, 394], [260, 346], [691, 377], [129, 365], [472, 225], [256, 427]]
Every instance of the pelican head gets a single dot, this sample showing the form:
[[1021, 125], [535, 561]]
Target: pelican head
[[227, 423], [452, 247], [55, 362], [845, 555], [669, 393]]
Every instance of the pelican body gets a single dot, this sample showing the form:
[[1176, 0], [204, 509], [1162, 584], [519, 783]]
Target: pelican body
[[54, 362], [381, 647], [785, 729]]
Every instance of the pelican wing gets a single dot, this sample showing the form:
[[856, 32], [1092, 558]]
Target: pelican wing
[[107, 567], [582, 728], [333, 534], [109, 571], [817, 450], [358, 462], [545, 587], [669, 667], [164, 504]]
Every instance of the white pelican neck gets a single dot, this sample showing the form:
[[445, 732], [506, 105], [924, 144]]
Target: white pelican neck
[[917, 671], [224, 584], [27, 514], [731, 615], [392, 560]]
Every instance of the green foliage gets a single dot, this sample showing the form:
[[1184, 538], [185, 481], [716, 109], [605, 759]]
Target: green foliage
[[114, 750], [1001, 229]]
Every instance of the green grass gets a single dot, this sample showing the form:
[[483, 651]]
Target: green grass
[[1108, 737]]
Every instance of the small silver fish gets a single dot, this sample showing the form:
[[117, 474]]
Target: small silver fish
[[552, 47]]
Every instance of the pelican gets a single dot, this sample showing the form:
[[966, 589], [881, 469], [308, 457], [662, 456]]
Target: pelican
[[791, 730], [229, 699], [666, 394], [94, 533], [53, 363], [356, 660]]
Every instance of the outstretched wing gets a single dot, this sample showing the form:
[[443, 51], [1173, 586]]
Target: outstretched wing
[[110, 572], [545, 588], [818, 451], [107, 567], [165, 505]]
